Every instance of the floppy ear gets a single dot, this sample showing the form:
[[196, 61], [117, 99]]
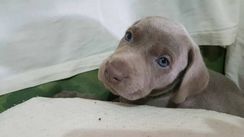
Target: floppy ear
[[196, 75]]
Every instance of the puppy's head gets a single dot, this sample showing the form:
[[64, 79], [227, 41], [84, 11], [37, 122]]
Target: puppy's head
[[153, 54]]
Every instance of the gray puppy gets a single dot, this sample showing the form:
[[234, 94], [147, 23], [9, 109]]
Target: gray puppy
[[157, 63]]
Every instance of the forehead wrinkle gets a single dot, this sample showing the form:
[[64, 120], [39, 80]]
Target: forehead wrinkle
[[158, 32], [164, 41]]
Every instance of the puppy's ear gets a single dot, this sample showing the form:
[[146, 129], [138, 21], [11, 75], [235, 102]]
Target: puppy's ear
[[196, 75]]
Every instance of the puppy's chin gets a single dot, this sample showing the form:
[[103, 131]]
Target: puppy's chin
[[125, 93], [132, 96]]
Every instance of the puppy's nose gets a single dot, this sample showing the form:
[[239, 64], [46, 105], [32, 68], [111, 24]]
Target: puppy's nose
[[115, 71]]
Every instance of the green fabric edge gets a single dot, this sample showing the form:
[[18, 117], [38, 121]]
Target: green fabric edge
[[86, 83]]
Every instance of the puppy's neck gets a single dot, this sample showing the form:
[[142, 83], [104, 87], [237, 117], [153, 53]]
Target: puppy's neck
[[169, 89], [165, 91]]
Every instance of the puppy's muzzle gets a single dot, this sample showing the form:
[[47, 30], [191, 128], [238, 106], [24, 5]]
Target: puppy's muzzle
[[116, 71]]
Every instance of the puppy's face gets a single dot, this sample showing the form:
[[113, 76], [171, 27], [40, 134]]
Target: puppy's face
[[149, 57]]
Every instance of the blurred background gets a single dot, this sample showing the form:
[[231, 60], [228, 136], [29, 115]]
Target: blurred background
[[50, 46]]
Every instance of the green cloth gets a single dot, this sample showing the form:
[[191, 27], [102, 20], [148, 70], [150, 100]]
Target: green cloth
[[214, 57], [85, 83], [89, 86]]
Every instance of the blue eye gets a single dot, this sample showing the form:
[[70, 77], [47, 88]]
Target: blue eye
[[128, 36], [163, 61]]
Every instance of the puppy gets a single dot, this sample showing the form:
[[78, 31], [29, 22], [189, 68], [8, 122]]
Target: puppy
[[157, 63]]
